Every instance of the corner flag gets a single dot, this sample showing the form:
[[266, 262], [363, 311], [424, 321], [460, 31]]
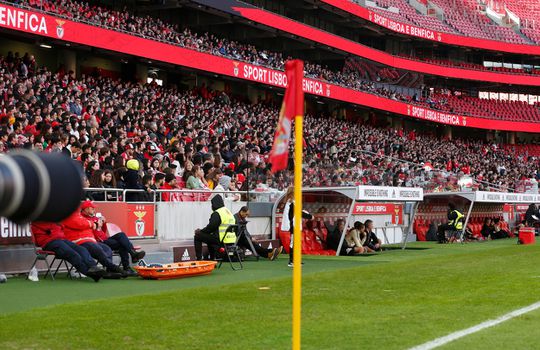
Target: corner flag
[[293, 106]]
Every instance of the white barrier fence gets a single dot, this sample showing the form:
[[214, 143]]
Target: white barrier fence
[[177, 221]]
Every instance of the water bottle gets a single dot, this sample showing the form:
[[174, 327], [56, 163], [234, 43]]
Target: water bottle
[[3, 278], [33, 275]]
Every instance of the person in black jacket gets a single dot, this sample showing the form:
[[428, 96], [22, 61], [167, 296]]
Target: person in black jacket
[[334, 235], [532, 215], [133, 181], [372, 241], [245, 237], [289, 211], [209, 234], [487, 228]]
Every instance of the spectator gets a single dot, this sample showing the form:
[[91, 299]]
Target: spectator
[[196, 180], [133, 180], [109, 181], [170, 184]]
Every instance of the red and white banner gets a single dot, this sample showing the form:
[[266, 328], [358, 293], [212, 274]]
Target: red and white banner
[[373, 209], [446, 38], [402, 28], [49, 26], [135, 220], [396, 210]]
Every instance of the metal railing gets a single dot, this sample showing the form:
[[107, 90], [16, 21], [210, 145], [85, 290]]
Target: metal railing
[[177, 195]]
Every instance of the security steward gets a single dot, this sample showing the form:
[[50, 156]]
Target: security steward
[[455, 223], [214, 233]]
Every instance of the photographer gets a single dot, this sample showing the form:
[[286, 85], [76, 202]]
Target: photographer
[[245, 237]]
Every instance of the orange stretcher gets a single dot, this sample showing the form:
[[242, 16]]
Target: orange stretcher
[[176, 270]]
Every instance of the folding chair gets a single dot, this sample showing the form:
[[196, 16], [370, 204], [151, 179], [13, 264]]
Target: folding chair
[[43, 256], [230, 251]]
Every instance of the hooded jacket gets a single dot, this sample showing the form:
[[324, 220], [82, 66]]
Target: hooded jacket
[[46, 232], [215, 219]]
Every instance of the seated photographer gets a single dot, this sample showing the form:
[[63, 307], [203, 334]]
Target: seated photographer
[[50, 237], [214, 232], [80, 231], [372, 242], [245, 237], [118, 242]]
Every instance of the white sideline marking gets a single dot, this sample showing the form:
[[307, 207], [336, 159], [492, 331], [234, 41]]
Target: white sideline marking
[[464, 332]]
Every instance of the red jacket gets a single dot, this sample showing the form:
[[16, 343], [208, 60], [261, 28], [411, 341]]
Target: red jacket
[[99, 235], [45, 232], [79, 229]]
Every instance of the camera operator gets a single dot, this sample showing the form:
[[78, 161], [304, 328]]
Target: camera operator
[[245, 237]]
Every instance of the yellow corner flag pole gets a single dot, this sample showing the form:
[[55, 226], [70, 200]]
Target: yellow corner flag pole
[[297, 244]]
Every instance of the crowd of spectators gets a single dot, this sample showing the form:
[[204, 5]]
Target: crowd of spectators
[[156, 29], [134, 136]]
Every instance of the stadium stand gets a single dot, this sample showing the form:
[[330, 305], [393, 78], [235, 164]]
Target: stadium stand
[[154, 28], [469, 19], [97, 116], [529, 15]]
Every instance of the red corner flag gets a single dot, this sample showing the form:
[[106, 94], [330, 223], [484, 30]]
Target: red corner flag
[[293, 105]]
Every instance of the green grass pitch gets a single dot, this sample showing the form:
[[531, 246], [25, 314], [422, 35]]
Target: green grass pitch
[[394, 300]]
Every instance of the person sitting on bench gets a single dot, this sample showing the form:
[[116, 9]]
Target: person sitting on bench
[[245, 237], [50, 237], [354, 240], [373, 243]]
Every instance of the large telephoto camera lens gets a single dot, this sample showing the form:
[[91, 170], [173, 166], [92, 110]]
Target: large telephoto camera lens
[[38, 186]]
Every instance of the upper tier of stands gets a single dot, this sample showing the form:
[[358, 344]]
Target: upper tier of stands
[[350, 78], [468, 17]]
